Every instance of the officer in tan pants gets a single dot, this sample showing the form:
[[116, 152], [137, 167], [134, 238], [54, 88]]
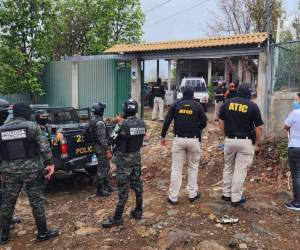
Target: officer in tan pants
[[189, 120], [241, 123], [158, 103]]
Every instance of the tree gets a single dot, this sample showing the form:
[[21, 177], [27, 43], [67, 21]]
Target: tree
[[89, 27], [24, 42], [244, 16]]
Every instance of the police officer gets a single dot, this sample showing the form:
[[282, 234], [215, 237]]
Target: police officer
[[4, 107], [158, 94], [129, 135], [101, 148], [42, 118], [189, 120], [239, 117], [21, 144], [219, 99]]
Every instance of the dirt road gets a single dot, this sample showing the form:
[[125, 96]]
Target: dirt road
[[263, 221]]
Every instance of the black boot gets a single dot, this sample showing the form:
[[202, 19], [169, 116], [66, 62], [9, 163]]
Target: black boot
[[43, 232], [137, 213], [107, 187], [101, 191], [5, 232], [116, 220]]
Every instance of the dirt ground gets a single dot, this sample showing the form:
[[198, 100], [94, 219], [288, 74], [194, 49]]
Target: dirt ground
[[264, 223]]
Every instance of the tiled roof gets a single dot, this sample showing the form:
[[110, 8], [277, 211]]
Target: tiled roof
[[246, 39]]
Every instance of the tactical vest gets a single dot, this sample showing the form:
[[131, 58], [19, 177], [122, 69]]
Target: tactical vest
[[16, 144], [131, 137]]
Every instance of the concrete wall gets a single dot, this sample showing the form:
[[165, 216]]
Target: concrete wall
[[279, 108]]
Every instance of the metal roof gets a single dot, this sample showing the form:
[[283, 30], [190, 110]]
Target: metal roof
[[243, 39]]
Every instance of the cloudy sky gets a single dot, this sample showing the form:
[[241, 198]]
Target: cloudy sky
[[182, 19], [165, 23]]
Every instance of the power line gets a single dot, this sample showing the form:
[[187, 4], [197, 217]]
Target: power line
[[157, 6], [176, 14]]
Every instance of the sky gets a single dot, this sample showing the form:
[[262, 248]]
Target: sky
[[163, 23]]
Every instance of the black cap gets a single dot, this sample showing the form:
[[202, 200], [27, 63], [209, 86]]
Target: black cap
[[22, 109], [244, 90], [188, 92]]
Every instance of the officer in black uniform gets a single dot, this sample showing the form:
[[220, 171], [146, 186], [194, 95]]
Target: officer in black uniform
[[189, 120], [158, 93], [239, 117], [128, 135]]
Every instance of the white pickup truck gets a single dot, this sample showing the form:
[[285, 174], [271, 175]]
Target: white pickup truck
[[200, 89]]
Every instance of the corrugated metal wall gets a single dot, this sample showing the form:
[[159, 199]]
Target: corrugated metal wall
[[58, 83], [96, 82], [14, 98]]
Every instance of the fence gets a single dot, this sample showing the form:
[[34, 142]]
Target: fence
[[286, 66]]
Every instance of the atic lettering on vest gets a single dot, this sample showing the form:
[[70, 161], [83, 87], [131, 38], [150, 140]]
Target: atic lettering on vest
[[185, 111], [137, 131], [238, 107], [13, 135]]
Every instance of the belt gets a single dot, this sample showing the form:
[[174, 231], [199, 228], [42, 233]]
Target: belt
[[187, 136], [238, 137]]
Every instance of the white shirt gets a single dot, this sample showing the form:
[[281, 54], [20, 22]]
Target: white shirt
[[293, 121]]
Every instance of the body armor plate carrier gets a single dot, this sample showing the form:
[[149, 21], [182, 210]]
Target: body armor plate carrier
[[15, 143]]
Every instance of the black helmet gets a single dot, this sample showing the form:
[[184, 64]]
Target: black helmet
[[4, 105], [22, 109], [188, 92], [42, 117], [130, 107], [98, 108]]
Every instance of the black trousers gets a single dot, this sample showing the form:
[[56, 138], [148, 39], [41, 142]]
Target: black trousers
[[294, 163]]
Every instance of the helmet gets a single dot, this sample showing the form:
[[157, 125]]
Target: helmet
[[130, 107], [42, 117], [4, 105], [98, 108], [23, 110]]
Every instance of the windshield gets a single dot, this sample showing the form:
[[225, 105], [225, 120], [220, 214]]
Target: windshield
[[199, 86], [63, 117]]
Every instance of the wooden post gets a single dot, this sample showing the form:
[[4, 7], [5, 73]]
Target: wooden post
[[136, 85], [209, 83]]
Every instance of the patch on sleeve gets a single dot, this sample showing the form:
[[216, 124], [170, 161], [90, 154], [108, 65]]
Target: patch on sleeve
[[13, 135]]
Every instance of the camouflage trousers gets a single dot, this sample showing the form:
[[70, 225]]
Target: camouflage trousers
[[34, 188], [102, 168], [128, 176]]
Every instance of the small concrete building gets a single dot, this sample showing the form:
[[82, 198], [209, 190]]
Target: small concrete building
[[239, 58]]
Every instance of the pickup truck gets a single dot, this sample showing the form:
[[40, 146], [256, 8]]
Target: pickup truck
[[71, 151]]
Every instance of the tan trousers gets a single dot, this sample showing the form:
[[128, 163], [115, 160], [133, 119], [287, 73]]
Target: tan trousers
[[158, 106], [218, 105], [184, 148], [238, 156]]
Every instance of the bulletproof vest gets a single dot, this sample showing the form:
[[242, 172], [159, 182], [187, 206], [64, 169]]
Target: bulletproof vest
[[16, 144], [186, 121], [157, 91], [131, 136]]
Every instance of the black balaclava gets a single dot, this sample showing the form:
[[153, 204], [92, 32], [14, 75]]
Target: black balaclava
[[22, 109], [188, 92], [244, 91]]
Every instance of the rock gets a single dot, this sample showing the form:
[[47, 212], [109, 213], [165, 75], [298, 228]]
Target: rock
[[243, 246], [211, 217], [79, 224], [209, 245], [148, 214], [256, 229], [109, 242], [172, 212], [233, 243], [101, 212], [170, 236], [243, 237], [84, 231], [219, 226], [22, 232]]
